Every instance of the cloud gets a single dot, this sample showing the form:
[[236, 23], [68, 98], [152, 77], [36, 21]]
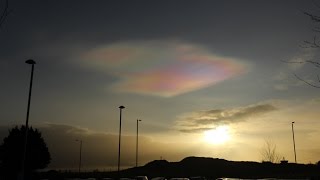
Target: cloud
[[161, 68], [195, 130], [205, 120], [284, 81], [281, 87]]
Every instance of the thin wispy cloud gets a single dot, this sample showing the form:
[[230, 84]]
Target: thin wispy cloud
[[283, 80], [161, 68], [204, 120]]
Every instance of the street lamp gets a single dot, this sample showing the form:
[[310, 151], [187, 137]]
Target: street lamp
[[32, 62], [120, 107], [80, 154], [137, 142], [294, 143]]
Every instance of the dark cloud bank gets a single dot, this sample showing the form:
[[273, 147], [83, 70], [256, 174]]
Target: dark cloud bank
[[100, 150], [205, 120]]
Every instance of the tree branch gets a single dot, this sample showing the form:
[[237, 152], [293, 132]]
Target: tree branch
[[311, 44], [5, 13], [313, 17], [310, 84], [314, 63]]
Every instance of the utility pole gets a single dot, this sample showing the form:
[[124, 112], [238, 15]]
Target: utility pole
[[137, 144], [294, 143], [80, 155], [32, 62], [119, 149]]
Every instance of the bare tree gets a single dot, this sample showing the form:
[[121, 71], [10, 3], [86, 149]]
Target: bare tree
[[4, 12], [269, 152], [311, 44]]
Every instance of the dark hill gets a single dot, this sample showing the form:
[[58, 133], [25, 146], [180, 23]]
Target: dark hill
[[214, 168]]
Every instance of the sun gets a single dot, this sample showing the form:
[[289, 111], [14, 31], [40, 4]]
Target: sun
[[218, 135]]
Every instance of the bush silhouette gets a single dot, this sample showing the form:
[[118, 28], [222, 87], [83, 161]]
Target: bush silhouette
[[11, 152]]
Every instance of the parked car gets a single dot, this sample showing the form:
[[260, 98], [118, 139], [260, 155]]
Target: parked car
[[141, 178], [127, 179], [179, 179], [159, 178], [197, 178]]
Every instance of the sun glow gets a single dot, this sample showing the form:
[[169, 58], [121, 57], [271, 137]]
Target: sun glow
[[218, 135]]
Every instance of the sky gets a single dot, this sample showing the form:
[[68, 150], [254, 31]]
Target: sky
[[207, 78]]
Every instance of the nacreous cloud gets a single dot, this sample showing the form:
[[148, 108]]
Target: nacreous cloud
[[161, 68], [205, 120]]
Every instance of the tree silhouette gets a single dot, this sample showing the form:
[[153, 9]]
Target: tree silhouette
[[311, 44], [11, 151], [4, 12], [269, 152]]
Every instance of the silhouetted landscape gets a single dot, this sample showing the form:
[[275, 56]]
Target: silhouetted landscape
[[209, 168]]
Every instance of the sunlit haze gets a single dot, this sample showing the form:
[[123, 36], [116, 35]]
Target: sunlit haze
[[217, 136]]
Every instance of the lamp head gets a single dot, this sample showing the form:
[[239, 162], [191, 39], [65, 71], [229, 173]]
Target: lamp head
[[30, 61], [121, 107]]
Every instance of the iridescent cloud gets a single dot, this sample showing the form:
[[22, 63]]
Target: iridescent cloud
[[162, 68]]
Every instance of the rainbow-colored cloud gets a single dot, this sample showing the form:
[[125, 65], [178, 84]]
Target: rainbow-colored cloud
[[161, 68]]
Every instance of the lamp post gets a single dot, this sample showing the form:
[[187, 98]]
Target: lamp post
[[137, 144], [294, 143], [32, 62], [80, 154], [120, 107]]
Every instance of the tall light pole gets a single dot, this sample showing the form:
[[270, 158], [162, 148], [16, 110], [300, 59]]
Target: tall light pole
[[32, 62], [294, 143], [137, 144], [80, 154], [120, 107]]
